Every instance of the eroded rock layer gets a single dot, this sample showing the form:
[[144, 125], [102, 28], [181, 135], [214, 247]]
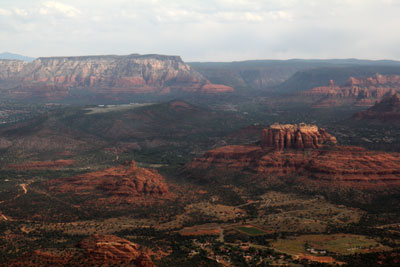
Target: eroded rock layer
[[357, 91], [57, 78], [111, 249], [122, 184], [327, 165], [281, 136]]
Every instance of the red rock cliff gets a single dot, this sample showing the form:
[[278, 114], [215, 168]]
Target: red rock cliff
[[357, 91], [283, 136], [56, 78]]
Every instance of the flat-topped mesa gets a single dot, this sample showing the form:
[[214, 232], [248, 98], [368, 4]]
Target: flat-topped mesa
[[295, 136], [107, 77]]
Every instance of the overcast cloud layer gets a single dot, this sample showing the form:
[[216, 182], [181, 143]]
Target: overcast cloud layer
[[207, 30]]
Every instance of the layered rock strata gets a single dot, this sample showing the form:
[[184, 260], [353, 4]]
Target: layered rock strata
[[57, 78], [334, 166], [281, 136], [357, 91]]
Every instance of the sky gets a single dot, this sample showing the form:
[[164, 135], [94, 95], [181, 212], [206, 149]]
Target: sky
[[204, 30]]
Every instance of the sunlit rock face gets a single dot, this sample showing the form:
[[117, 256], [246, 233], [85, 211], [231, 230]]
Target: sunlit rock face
[[357, 91], [283, 136], [55, 78]]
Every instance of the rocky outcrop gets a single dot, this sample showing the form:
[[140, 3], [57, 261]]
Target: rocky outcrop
[[386, 111], [109, 249], [95, 250], [57, 78], [9, 69], [330, 166], [122, 184], [357, 91], [301, 136]]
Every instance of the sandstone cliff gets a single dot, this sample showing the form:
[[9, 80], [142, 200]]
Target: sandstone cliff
[[283, 136], [357, 91], [56, 78], [9, 69]]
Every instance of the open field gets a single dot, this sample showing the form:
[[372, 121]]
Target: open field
[[250, 230], [336, 244], [113, 108]]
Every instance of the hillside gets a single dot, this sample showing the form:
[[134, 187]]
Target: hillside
[[386, 111]]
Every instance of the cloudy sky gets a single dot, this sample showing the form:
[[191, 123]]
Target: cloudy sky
[[203, 30]]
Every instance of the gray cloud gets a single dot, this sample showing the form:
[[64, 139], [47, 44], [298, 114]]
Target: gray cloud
[[203, 30]]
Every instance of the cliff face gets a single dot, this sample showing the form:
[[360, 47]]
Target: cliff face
[[388, 110], [58, 77], [9, 69], [300, 136], [357, 91]]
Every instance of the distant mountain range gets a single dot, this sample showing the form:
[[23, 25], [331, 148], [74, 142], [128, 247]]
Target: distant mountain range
[[291, 75], [7, 55]]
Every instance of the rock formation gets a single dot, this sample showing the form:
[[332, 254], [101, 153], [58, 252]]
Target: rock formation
[[388, 110], [9, 69], [357, 91], [109, 249], [122, 184], [283, 136], [334, 166], [95, 250], [57, 78]]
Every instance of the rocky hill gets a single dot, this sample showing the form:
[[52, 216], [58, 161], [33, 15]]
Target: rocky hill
[[357, 91], [329, 166], [388, 110], [122, 184], [58, 78], [95, 250]]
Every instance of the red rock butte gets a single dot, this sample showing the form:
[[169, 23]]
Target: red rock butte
[[282, 153], [301, 136]]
